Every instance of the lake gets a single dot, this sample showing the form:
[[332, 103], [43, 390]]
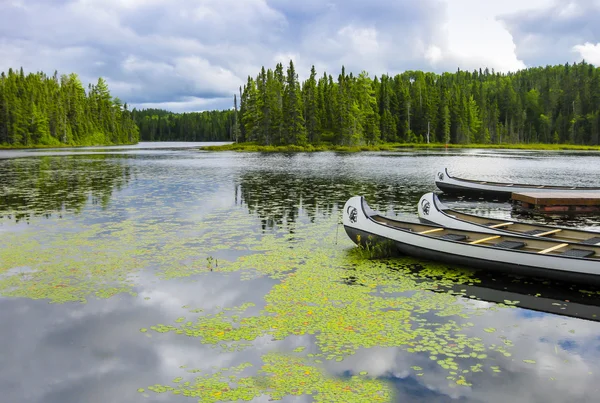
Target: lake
[[158, 272]]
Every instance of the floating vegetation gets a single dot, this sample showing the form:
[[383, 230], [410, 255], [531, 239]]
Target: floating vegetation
[[394, 307], [280, 375], [67, 263], [371, 249]]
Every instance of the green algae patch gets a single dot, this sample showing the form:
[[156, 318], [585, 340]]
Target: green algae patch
[[394, 303], [280, 375], [68, 267], [70, 262]]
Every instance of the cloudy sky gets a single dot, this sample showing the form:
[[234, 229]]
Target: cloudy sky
[[190, 55]]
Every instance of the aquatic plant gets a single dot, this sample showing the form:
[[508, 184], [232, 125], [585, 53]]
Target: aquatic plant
[[280, 375]]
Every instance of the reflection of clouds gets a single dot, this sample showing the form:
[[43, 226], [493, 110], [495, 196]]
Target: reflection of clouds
[[559, 374], [394, 365], [95, 352]]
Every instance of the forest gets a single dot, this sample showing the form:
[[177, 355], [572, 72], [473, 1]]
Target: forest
[[37, 110], [162, 125], [552, 104]]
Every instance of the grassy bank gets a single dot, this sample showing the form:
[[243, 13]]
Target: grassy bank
[[253, 147], [522, 146]]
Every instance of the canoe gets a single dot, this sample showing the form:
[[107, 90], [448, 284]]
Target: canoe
[[450, 184], [512, 254], [431, 210]]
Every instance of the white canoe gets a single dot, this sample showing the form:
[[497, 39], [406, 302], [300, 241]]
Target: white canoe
[[450, 184], [513, 254], [431, 210]]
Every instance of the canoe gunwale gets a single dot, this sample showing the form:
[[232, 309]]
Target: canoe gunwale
[[530, 186]]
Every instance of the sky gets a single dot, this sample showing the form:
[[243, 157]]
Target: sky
[[193, 55]]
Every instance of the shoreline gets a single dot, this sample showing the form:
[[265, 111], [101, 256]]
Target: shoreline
[[253, 147], [45, 146]]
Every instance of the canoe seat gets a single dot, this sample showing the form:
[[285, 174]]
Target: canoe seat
[[534, 232], [591, 241], [453, 237], [510, 244], [577, 253], [502, 224]]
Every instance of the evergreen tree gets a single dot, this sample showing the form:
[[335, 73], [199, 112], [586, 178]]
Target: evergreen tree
[[293, 119], [39, 110]]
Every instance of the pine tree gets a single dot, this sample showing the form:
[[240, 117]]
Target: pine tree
[[311, 115], [236, 124], [293, 120]]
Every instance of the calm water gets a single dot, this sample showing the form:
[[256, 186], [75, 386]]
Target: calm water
[[151, 272]]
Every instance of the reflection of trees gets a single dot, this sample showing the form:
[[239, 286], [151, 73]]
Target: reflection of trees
[[41, 186], [280, 198]]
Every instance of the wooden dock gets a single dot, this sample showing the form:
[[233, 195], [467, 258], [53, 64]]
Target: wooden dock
[[570, 202]]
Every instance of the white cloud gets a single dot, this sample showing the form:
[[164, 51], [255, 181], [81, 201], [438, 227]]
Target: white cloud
[[195, 54], [589, 52], [474, 37], [548, 35], [433, 54]]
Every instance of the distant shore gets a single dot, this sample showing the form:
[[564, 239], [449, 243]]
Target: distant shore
[[253, 147], [41, 146]]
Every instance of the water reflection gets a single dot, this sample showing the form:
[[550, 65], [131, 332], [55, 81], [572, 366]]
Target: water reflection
[[96, 353], [280, 199], [552, 349], [46, 185], [180, 207], [535, 294]]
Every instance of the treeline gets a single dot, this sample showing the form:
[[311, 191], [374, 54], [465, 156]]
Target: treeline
[[39, 110], [553, 104], [162, 125]]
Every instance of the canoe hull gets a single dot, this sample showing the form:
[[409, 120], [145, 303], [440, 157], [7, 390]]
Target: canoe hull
[[406, 249], [458, 189]]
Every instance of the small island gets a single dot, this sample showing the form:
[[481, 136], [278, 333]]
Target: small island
[[551, 108]]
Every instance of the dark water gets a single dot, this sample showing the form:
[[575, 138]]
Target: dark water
[[119, 268]]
